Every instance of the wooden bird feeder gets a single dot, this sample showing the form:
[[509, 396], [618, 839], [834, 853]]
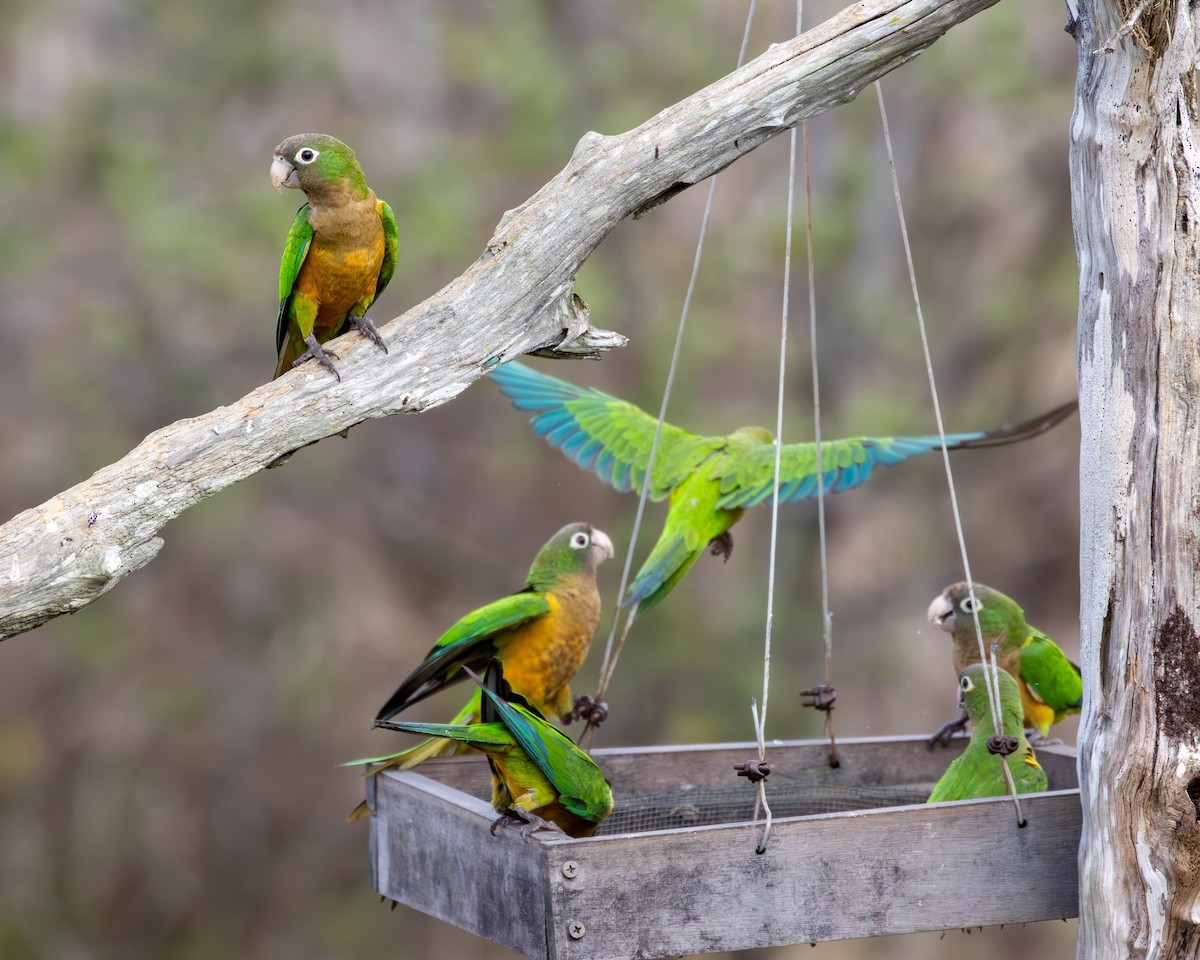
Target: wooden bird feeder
[[853, 852]]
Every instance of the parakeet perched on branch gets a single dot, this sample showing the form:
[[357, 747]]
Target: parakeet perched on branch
[[539, 777], [977, 772], [541, 634], [709, 481], [1050, 684], [340, 252]]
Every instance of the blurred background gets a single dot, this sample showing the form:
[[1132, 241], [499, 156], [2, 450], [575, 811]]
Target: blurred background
[[169, 780]]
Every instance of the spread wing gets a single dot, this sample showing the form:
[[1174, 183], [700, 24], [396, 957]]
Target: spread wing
[[747, 479], [603, 434]]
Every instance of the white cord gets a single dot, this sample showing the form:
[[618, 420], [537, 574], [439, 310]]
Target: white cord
[[992, 681]]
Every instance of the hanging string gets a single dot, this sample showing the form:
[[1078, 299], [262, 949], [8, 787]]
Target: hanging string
[[992, 681], [991, 676], [760, 717], [612, 648], [826, 613]]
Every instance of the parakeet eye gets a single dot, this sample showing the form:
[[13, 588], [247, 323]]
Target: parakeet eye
[[307, 155], [967, 605], [580, 541], [965, 684]]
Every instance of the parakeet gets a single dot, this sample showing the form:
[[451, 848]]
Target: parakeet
[[539, 777], [977, 772], [541, 635], [1050, 684], [340, 252], [709, 480]]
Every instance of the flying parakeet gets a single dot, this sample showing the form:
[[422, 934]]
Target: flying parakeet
[[340, 252], [1050, 684], [541, 635], [709, 480], [539, 777], [977, 772]]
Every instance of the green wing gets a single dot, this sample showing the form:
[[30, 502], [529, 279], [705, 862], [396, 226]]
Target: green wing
[[603, 434], [391, 247], [1050, 675], [747, 472], [298, 239], [470, 642], [580, 784], [748, 477]]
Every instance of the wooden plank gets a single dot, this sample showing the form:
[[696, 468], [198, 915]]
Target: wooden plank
[[434, 852], [822, 878]]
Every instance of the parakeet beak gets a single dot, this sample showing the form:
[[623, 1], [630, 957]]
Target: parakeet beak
[[600, 539], [941, 613], [283, 174]]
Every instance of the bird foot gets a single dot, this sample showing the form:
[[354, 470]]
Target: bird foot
[[721, 546], [530, 823], [946, 731], [317, 352], [1036, 739], [364, 326], [595, 712]]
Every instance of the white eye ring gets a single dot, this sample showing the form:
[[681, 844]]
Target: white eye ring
[[966, 606], [307, 155], [966, 684], [580, 541]]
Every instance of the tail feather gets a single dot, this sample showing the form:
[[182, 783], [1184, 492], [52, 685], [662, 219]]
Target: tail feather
[[667, 563], [1025, 430]]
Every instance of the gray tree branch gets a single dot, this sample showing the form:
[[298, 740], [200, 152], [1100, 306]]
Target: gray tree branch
[[517, 297]]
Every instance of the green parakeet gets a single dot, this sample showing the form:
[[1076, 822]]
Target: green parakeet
[[340, 252], [977, 772], [541, 634], [709, 481], [539, 777], [1050, 684]]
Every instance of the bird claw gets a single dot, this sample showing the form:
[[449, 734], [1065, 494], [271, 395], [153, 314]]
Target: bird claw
[[530, 823], [721, 545], [317, 352], [595, 712], [364, 326], [946, 731]]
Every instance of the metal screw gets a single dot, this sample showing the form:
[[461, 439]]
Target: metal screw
[[576, 929], [570, 869]]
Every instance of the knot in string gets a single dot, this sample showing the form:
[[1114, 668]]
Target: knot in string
[[1002, 745], [753, 770]]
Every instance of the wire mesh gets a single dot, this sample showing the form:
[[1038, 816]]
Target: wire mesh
[[689, 806]]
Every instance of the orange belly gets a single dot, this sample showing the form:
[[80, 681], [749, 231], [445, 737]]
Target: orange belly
[[543, 655], [340, 281]]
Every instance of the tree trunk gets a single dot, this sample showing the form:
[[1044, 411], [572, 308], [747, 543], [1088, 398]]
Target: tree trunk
[[1135, 168]]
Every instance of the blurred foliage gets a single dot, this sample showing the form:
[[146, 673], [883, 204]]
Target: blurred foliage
[[168, 785]]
